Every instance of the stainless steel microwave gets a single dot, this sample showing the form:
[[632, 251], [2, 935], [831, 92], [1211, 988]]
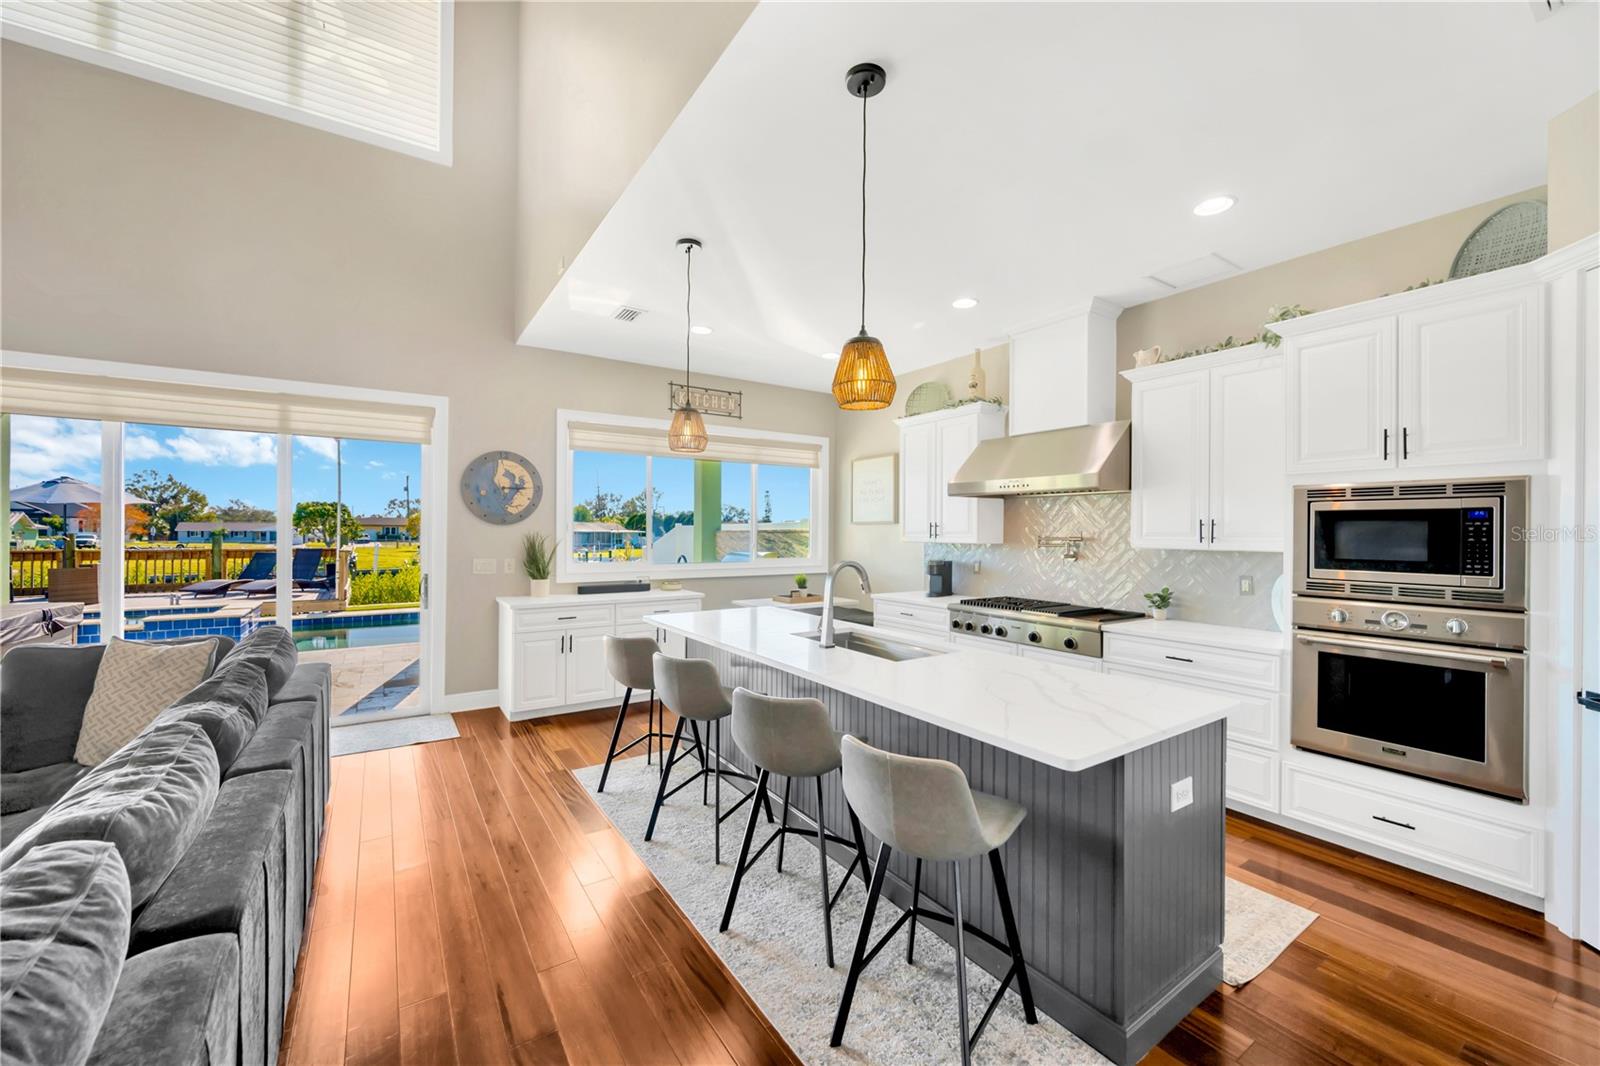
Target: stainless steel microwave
[[1415, 542]]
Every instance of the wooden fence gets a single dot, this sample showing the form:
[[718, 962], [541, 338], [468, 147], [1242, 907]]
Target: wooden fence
[[148, 569]]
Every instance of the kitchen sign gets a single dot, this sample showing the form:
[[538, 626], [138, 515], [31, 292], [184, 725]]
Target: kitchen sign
[[706, 401]]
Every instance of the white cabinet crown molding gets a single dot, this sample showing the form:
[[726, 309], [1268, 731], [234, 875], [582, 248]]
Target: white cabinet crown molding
[[958, 411], [1210, 360]]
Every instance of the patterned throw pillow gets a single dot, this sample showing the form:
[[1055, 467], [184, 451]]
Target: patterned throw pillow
[[137, 680]]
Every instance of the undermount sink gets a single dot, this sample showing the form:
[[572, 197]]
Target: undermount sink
[[867, 644]]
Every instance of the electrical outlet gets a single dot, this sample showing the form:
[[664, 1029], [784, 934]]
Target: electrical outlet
[[1247, 585], [977, 566], [483, 566], [1182, 793], [510, 566]]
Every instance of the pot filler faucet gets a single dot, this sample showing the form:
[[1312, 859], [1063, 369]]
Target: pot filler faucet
[[826, 631]]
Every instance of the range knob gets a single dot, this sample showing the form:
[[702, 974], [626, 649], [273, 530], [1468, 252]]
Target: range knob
[[1395, 620], [999, 631], [1338, 616], [1455, 626], [1034, 637], [968, 627], [955, 623], [984, 629], [1070, 643]]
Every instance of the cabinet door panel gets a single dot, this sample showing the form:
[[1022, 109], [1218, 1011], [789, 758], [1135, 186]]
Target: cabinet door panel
[[1472, 380], [1342, 399], [1169, 461], [540, 671], [587, 676], [918, 507], [955, 517], [1249, 492]]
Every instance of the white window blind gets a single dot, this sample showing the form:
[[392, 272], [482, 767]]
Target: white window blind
[[375, 71], [53, 394], [634, 440]]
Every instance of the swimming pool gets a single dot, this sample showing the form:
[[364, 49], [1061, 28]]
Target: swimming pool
[[363, 629], [325, 638]]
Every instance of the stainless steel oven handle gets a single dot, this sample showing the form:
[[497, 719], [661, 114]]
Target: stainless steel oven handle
[[1400, 648]]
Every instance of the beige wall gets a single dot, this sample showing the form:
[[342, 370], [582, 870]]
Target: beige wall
[[895, 565], [148, 225], [1344, 274], [1574, 172], [622, 70]]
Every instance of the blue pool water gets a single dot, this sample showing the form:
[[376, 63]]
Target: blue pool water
[[323, 638], [341, 631]]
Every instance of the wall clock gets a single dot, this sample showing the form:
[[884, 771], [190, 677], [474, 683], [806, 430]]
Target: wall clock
[[501, 487]]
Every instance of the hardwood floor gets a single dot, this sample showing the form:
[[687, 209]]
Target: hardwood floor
[[474, 906]]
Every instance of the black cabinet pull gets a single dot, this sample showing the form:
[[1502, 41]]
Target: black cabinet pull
[[1391, 821], [1213, 531], [1202, 531], [1405, 442], [1386, 442], [1179, 659], [567, 618]]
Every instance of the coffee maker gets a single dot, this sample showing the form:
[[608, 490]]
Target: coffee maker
[[939, 583]]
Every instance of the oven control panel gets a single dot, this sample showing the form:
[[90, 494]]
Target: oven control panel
[[1442, 625]]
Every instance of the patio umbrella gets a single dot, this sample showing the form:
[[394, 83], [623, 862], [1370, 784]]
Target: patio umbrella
[[60, 495]]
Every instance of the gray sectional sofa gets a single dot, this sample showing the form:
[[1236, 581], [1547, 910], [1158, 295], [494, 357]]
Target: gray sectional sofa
[[152, 907]]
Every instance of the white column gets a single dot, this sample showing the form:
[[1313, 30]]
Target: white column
[[285, 515], [113, 568]]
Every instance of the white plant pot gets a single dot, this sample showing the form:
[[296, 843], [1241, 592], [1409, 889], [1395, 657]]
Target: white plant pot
[[538, 587], [1159, 613]]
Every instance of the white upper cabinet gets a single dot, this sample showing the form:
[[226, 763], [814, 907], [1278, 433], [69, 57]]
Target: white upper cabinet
[[932, 448], [1448, 375], [1208, 436], [1341, 389]]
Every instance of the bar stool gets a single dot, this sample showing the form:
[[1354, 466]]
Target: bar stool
[[794, 738], [925, 808], [693, 690], [628, 662]]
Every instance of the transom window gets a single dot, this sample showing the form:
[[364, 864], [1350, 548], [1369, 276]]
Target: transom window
[[753, 502]]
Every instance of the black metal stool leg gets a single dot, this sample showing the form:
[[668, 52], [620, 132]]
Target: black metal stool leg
[[744, 857], [863, 938], [916, 897], [861, 848], [822, 853], [700, 747], [786, 783], [650, 727], [716, 831], [616, 733], [997, 868], [961, 971], [666, 769]]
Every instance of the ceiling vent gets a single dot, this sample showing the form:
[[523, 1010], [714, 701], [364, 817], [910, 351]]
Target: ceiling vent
[[628, 314], [1206, 269]]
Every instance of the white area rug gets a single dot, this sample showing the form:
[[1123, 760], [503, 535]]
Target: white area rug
[[395, 733], [901, 1014]]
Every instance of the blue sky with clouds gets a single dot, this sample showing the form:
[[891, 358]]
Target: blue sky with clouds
[[223, 465]]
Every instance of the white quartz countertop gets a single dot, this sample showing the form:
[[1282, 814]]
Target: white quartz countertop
[[1201, 633], [569, 599], [919, 597], [1059, 715], [768, 601]]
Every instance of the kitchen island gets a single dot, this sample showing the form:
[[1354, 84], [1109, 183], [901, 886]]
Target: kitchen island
[[1117, 872]]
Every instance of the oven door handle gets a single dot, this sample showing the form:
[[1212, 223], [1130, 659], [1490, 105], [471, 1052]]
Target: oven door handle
[[1399, 648]]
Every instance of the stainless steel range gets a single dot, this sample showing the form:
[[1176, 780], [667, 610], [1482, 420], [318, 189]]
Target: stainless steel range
[[1065, 627]]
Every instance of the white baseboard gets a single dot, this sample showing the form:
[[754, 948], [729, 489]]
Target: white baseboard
[[469, 701]]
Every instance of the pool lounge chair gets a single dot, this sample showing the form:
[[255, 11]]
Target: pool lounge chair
[[260, 566], [307, 561]]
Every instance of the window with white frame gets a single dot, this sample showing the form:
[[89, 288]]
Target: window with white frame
[[753, 502], [377, 72]]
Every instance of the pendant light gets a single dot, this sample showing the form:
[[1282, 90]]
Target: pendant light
[[863, 380], [688, 431]]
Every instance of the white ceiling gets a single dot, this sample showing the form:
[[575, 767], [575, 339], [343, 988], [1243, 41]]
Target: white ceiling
[[1035, 155]]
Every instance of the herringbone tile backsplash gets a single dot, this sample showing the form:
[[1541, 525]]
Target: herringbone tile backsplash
[[1109, 572]]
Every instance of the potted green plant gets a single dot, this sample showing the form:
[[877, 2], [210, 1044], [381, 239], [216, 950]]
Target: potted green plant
[[538, 552], [1159, 602], [799, 591]]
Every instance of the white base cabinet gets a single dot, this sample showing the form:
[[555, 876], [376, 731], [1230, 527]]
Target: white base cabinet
[[552, 649]]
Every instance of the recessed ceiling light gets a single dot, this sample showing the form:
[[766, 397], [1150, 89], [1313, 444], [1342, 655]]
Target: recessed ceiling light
[[963, 303], [1214, 205], [702, 330]]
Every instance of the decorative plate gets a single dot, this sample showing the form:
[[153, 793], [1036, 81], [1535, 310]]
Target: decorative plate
[[929, 396], [501, 487], [1514, 234]]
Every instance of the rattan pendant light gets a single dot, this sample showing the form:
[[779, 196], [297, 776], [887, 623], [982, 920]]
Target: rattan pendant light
[[863, 380], [688, 430]]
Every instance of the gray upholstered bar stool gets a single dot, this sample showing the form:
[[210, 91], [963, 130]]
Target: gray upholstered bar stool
[[792, 738], [925, 808], [693, 690], [628, 660]]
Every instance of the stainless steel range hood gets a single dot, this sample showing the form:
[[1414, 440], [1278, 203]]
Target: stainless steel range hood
[[1078, 459]]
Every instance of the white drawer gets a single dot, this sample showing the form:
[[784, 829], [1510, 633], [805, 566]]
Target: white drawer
[[1501, 852], [1077, 662], [634, 612], [1252, 777], [913, 615], [1199, 663], [1255, 719], [563, 617], [921, 634], [998, 647]]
